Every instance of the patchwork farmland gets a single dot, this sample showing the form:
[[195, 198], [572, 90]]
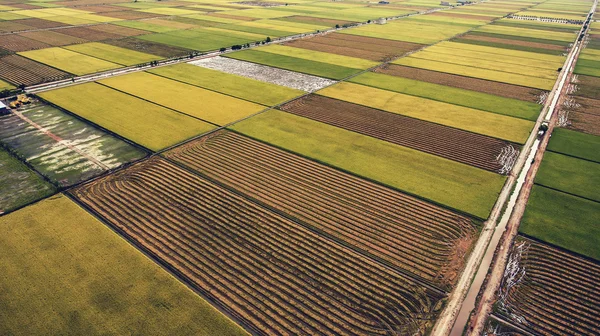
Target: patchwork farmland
[[298, 168]]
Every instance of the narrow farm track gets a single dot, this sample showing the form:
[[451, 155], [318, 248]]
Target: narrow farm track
[[558, 295], [421, 238], [466, 147], [274, 275]]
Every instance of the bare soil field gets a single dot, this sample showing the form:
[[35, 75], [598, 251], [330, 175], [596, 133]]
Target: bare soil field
[[512, 42], [412, 235], [451, 143], [364, 47], [41, 23], [314, 20], [21, 70], [265, 73], [113, 29], [467, 83], [588, 86], [548, 291], [588, 105], [272, 274], [585, 122], [53, 38], [86, 33], [149, 47], [18, 43], [463, 16]]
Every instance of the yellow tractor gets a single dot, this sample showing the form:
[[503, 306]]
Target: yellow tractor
[[22, 99]]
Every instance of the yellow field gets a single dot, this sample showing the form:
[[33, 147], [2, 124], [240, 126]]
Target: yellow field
[[465, 70], [508, 55], [204, 104], [492, 124], [145, 123], [69, 61], [317, 56], [535, 33], [113, 54]]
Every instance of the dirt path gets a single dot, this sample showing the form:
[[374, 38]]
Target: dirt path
[[513, 214]]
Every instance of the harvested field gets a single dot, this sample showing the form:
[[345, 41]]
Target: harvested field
[[18, 43], [314, 20], [148, 47], [53, 38], [340, 205], [588, 86], [21, 70], [585, 122], [88, 34], [41, 23], [19, 185], [13, 26], [61, 147], [369, 51], [558, 294], [131, 15], [265, 73], [475, 84], [113, 29], [451, 143], [513, 42], [588, 105], [270, 272]]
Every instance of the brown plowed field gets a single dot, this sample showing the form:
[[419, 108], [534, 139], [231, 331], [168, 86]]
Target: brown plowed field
[[588, 105], [148, 47], [512, 42], [559, 294], [12, 26], [400, 230], [122, 31], [366, 48], [272, 274], [41, 23], [89, 34], [588, 86], [314, 20], [475, 84], [585, 122], [19, 43], [470, 148], [20, 70], [131, 15], [53, 38], [463, 16]]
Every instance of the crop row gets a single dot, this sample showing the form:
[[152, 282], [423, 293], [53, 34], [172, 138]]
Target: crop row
[[451, 143], [558, 294], [271, 273], [406, 232]]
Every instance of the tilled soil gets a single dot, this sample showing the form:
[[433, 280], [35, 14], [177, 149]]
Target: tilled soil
[[148, 47], [89, 34], [450, 143], [18, 43], [462, 82], [21, 70], [53, 38], [114, 29]]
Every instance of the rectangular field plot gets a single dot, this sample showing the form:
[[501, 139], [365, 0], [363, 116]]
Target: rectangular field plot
[[447, 142], [369, 48], [272, 273], [571, 175], [76, 276], [201, 39], [113, 54], [144, 123], [486, 123], [203, 104], [343, 206], [558, 293], [425, 175], [69, 61], [19, 185], [237, 86], [564, 220], [534, 33], [576, 144], [318, 56], [472, 99], [61, 147], [264, 73], [309, 67]]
